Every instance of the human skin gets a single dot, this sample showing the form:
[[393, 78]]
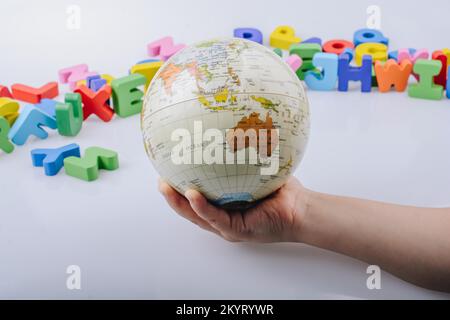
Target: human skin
[[410, 242]]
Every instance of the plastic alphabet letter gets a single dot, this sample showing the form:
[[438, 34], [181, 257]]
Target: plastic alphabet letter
[[337, 46], [350, 52], [72, 75], [53, 159], [306, 51], [448, 82], [48, 106], [5, 144], [148, 70], [283, 37], [164, 48], [251, 34], [9, 109], [315, 40], [329, 75], [347, 73], [96, 102], [369, 35], [294, 62], [4, 92], [94, 77], [87, 167], [425, 88], [34, 95], [278, 52], [417, 54], [441, 78], [30, 122], [97, 84], [378, 51], [394, 74], [394, 54], [412, 55], [69, 115], [127, 98]]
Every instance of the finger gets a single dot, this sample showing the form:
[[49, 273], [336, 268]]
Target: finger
[[179, 203], [219, 219]]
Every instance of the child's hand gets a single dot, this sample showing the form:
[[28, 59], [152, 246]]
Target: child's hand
[[275, 219]]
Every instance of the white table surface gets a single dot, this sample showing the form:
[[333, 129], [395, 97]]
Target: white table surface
[[118, 229]]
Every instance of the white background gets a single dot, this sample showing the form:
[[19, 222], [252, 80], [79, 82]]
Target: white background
[[118, 229]]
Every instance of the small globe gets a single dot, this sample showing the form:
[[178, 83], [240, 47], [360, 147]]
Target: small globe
[[228, 118]]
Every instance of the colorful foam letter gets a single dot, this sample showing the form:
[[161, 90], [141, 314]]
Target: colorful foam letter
[[148, 70], [72, 75], [251, 34], [425, 88], [369, 35], [378, 51], [441, 78], [9, 109], [97, 84], [69, 115], [278, 52], [53, 159], [30, 122], [294, 62], [147, 60], [347, 73], [350, 52], [328, 77], [337, 46], [48, 106], [164, 48], [412, 55], [315, 40], [105, 76], [283, 37], [5, 144], [34, 95], [394, 74], [127, 98], [404, 54], [96, 102], [394, 54], [306, 51], [446, 51], [4, 92], [88, 80], [448, 82], [87, 167]]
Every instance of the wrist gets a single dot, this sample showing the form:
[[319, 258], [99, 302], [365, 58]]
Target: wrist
[[304, 208], [319, 226]]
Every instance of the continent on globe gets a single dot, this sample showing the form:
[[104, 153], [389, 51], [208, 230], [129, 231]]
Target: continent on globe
[[265, 141]]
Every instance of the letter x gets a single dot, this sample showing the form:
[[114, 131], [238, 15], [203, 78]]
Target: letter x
[[96, 102]]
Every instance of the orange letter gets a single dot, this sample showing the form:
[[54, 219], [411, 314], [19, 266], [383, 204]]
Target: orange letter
[[392, 74]]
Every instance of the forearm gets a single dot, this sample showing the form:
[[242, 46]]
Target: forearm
[[412, 243]]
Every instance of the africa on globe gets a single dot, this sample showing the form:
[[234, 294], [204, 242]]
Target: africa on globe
[[227, 117]]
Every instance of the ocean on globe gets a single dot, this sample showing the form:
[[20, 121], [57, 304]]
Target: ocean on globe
[[207, 97]]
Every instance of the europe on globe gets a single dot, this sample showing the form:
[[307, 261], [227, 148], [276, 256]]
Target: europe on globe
[[227, 117]]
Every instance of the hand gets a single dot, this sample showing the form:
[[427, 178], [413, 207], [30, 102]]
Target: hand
[[277, 218]]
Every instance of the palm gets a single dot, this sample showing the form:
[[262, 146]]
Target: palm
[[273, 219]]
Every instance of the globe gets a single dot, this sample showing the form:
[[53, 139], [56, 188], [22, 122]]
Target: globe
[[227, 117]]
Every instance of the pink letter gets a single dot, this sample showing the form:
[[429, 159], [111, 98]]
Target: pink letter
[[164, 48]]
